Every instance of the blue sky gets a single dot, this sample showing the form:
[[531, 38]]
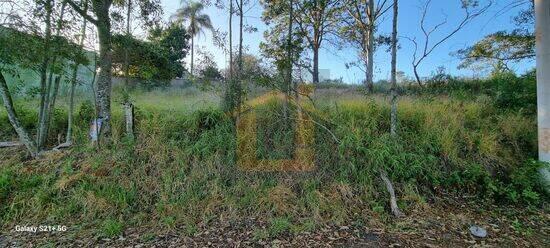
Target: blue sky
[[334, 60]]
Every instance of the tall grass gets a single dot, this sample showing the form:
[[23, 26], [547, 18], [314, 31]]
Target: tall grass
[[181, 169]]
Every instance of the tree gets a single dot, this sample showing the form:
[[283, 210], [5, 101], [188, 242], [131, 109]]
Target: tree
[[316, 20], [504, 47], [207, 69], [497, 49], [240, 9], [68, 137], [314, 23], [283, 43], [230, 39], [393, 122], [361, 23], [471, 9], [102, 21], [174, 39], [393, 126], [154, 62], [21, 50], [197, 22], [53, 53]]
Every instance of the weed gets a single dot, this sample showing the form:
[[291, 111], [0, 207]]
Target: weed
[[111, 228]]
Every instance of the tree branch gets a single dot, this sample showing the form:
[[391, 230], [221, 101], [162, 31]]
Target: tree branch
[[82, 12]]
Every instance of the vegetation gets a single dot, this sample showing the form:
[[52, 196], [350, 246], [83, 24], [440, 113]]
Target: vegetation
[[182, 166], [255, 146]]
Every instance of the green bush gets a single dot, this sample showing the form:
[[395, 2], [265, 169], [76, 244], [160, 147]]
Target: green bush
[[507, 91]]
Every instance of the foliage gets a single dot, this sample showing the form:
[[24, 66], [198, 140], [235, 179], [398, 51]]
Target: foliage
[[500, 47], [182, 168], [175, 40], [506, 91], [275, 47], [197, 21], [504, 47], [22, 50], [149, 61], [207, 68]]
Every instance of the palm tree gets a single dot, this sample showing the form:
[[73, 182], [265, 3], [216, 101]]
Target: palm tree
[[191, 13]]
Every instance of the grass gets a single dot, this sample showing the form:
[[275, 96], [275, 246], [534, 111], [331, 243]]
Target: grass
[[112, 228], [181, 170]]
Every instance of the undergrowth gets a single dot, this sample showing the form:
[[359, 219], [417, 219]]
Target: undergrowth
[[181, 169]]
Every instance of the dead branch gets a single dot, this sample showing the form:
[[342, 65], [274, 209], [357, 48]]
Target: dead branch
[[10, 144], [393, 200]]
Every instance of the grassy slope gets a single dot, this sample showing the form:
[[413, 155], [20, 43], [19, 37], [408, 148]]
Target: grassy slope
[[181, 170]]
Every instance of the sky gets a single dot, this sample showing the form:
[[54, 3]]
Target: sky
[[332, 62]]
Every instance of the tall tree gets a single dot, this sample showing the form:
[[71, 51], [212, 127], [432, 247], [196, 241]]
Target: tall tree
[[393, 126], [51, 93], [197, 22], [68, 136], [289, 47], [360, 29], [102, 21], [230, 39], [316, 20], [393, 121], [240, 9], [48, 8], [283, 41]]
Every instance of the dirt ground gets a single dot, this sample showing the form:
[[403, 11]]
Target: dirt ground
[[438, 225]]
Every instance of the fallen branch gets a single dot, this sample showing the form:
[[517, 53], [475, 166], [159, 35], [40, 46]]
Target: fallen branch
[[393, 200], [63, 145], [10, 144]]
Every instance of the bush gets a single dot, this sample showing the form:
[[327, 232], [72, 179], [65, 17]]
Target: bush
[[507, 91]]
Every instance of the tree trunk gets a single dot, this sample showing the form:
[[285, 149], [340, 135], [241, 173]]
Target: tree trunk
[[51, 106], [69, 136], [42, 133], [49, 103], [93, 87], [542, 13], [105, 63], [241, 12], [24, 136], [315, 65], [370, 48], [393, 121], [288, 80], [416, 76], [231, 39], [126, 52], [365, 60], [44, 67], [192, 51]]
